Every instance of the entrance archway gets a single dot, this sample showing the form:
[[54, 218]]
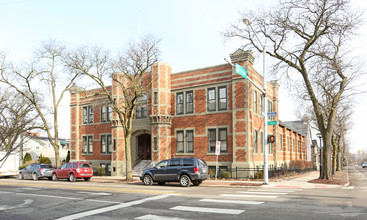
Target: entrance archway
[[144, 147]]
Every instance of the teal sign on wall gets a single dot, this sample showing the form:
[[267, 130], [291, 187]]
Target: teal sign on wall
[[240, 70]]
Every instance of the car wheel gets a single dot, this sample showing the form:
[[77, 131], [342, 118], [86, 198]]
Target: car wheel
[[161, 183], [72, 177], [197, 183], [21, 176], [148, 181], [87, 179], [49, 178], [34, 176], [54, 177], [185, 181]]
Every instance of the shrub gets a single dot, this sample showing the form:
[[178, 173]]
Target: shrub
[[26, 164], [100, 171], [211, 173], [226, 174], [297, 164], [27, 157], [67, 157], [259, 175], [43, 159]]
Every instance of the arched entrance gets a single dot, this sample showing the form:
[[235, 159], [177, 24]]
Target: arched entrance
[[144, 147]]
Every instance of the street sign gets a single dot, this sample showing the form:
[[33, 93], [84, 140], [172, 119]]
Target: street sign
[[217, 148], [272, 114], [272, 122], [240, 70]]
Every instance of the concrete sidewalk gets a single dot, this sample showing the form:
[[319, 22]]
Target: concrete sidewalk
[[297, 182]]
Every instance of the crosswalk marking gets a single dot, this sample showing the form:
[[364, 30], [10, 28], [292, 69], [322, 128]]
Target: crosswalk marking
[[158, 217], [208, 210], [232, 201], [264, 193], [252, 196]]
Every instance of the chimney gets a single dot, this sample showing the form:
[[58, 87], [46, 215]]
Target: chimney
[[240, 55]]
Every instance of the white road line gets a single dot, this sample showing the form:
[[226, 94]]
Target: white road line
[[263, 193], [208, 210], [111, 208], [247, 196], [158, 217], [69, 198], [5, 192], [348, 187], [232, 201], [275, 190], [96, 193]]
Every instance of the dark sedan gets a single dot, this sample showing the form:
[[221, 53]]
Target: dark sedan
[[36, 171]]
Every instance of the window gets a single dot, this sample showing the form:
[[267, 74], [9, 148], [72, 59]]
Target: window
[[262, 105], [155, 98], [222, 94], [180, 141], [90, 114], [179, 103], [289, 145], [211, 140], [87, 142], [211, 99], [141, 111], [262, 142], [299, 146], [189, 102], [114, 144], [106, 113], [155, 143], [174, 162], [255, 142], [270, 108], [223, 139], [185, 141], [85, 115], [190, 141], [106, 143], [281, 142], [188, 162], [255, 101]]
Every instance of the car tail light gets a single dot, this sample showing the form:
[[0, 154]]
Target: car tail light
[[41, 169], [196, 169]]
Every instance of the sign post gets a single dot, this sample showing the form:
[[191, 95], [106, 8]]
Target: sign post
[[217, 152]]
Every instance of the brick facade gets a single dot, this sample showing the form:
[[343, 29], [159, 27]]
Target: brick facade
[[183, 115]]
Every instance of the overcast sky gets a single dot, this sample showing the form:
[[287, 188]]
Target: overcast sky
[[190, 31]]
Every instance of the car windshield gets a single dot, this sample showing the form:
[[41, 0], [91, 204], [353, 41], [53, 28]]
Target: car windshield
[[84, 165], [46, 166]]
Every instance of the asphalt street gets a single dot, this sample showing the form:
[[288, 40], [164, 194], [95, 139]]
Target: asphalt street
[[43, 199]]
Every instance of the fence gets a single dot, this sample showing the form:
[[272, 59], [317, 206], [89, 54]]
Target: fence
[[255, 173]]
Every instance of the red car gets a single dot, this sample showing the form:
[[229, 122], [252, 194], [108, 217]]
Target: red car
[[73, 171]]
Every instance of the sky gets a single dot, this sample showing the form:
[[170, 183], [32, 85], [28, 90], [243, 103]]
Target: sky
[[190, 33]]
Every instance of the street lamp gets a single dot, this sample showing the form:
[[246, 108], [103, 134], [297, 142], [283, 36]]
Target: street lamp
[[266, 172], [320, 136]]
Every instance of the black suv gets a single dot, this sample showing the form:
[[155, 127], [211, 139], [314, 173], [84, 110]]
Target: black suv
[[183, 170]]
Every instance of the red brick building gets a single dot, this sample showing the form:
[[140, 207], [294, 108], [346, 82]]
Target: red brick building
[[184, 115]]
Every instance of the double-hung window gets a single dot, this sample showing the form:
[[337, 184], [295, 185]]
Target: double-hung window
[[87, 142], [106, 113], [185, 141], [255, 145], [219, 134], [281, 142], [211, 99], [189, 102], [106, 144], [222, 96], [180, 103], [88, 114], [262, 141], [255, 101]]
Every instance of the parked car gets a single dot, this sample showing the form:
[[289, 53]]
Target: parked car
[[183, 170], [364, 165], [73, 171], [36, 171]]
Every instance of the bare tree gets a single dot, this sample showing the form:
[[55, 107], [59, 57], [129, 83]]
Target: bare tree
[[128, 71], [17, 117], [43, 83], [309, 41]]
